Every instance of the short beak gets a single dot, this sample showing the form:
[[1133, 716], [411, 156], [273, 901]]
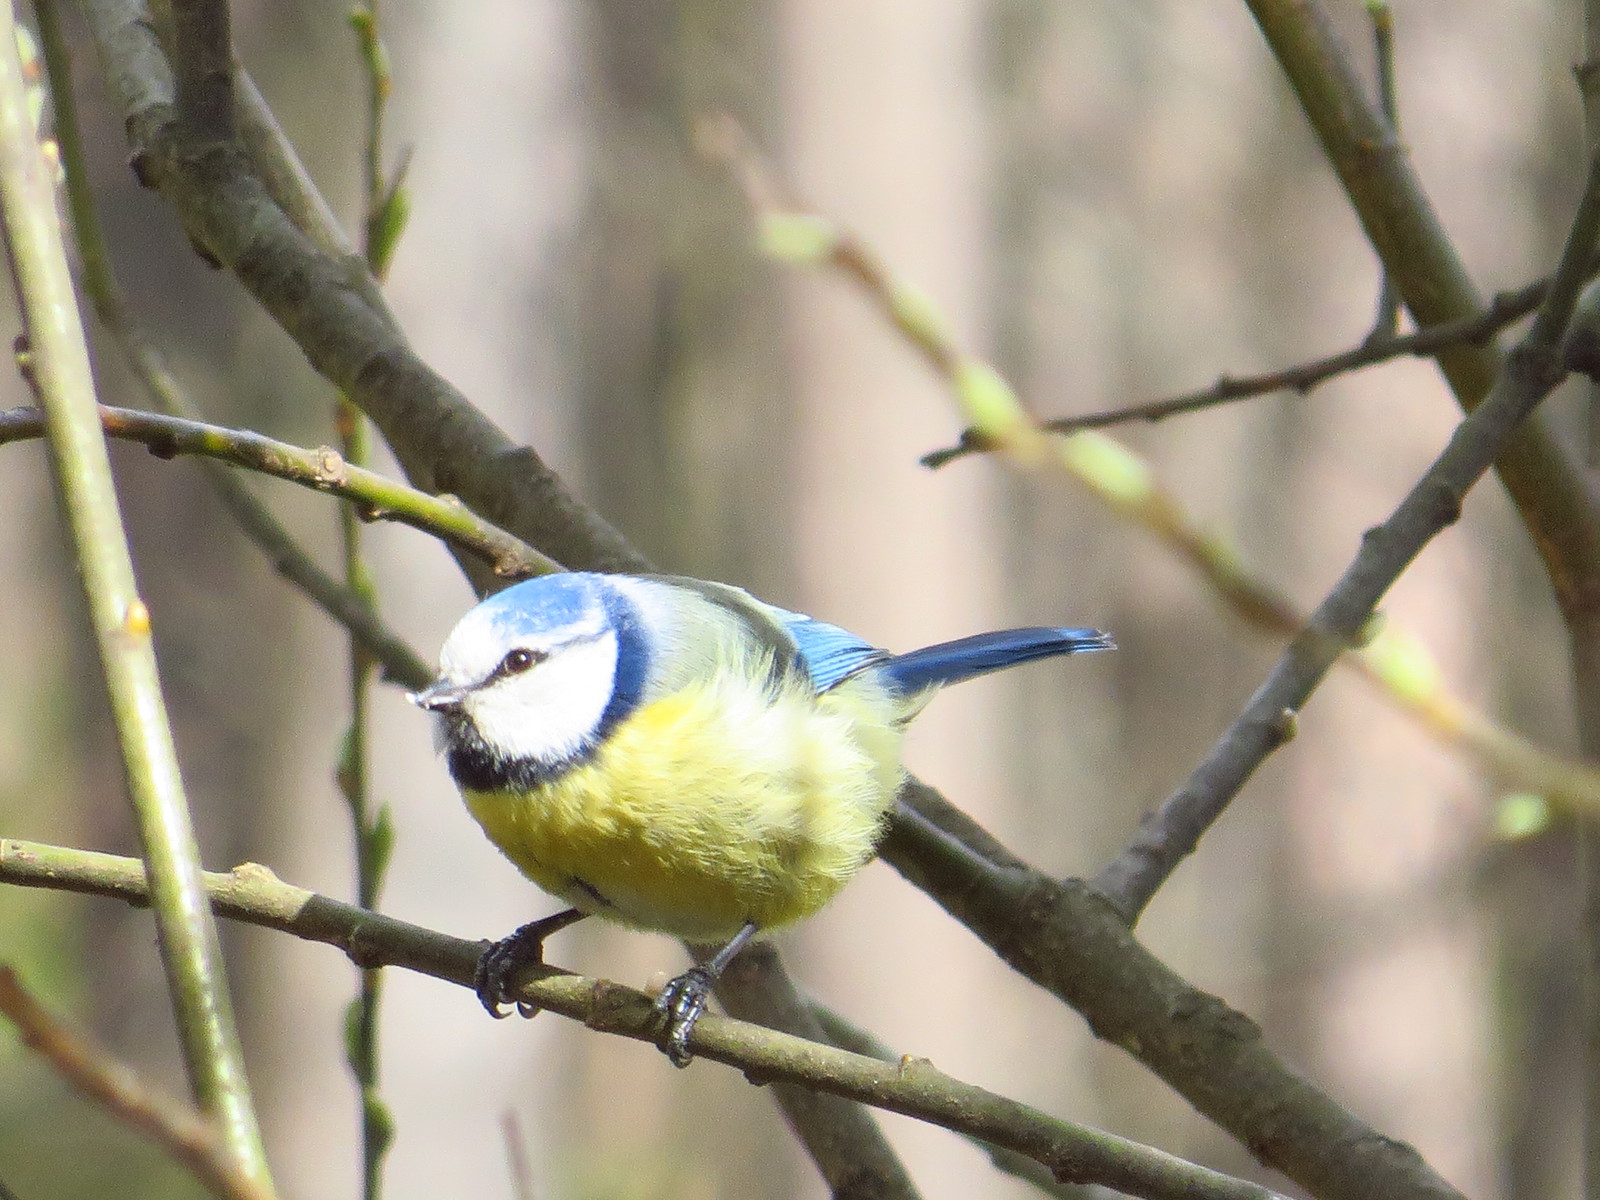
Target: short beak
[[441, 696]]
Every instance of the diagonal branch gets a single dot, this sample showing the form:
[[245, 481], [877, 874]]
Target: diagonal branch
[[330, 306], [1065, 937], [1529, 373], [166, 1120], [1547, 484]]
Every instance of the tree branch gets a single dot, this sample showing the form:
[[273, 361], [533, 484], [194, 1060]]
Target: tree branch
[[841, 1136], [1068, 939], [1529, 374], [1506, 308], [202, 41], [58, 370], [169, 1122], [400, 664], [330, 307], [1545, 481], [323, 469], [913, 1087]]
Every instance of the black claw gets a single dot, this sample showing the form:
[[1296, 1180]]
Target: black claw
[[500, 960], [681, 1002], [492, 979]]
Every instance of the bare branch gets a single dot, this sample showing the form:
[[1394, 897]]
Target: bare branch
[[1505, 309], [1068, 939], [1552, 495], [1529, 374]]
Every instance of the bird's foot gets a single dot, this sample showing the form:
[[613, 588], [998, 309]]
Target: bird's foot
[[681, 1003], [500, 960]]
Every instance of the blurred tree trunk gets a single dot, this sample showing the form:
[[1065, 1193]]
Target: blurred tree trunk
[[681, 397], [685, 428]]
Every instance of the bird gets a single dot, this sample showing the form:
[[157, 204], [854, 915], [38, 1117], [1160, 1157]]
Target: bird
[[675, 755]]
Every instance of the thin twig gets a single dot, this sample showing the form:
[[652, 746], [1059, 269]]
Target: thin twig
[[1506, 308], [323, 469], [910, 1086], [58, 369], [372, 826], [1530, 372], [175, 1126], [1387, 322], [794, 234]]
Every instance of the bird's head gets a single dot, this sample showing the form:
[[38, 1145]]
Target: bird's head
[[531, 679]]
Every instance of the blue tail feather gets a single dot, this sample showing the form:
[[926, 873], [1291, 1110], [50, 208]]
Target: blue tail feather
[[951, 662]]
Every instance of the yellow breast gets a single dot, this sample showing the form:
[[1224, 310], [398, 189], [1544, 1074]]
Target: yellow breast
[[711, 807]]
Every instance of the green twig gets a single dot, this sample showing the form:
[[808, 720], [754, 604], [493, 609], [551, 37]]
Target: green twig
[[373, 828], [323, 469], [329, 305], [401, 664], [387, 204], [58, 368]]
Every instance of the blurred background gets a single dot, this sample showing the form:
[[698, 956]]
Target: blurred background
[[1113, 200]]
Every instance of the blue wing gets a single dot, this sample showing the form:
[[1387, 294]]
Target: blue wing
[[830, 654], [951, 662]]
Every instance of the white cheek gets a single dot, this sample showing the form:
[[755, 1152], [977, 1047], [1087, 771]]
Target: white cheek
[[549, 713]]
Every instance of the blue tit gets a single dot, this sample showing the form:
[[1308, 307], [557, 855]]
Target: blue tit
[[674, 755]]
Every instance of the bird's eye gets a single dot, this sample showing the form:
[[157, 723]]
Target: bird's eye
[[518, 660]]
